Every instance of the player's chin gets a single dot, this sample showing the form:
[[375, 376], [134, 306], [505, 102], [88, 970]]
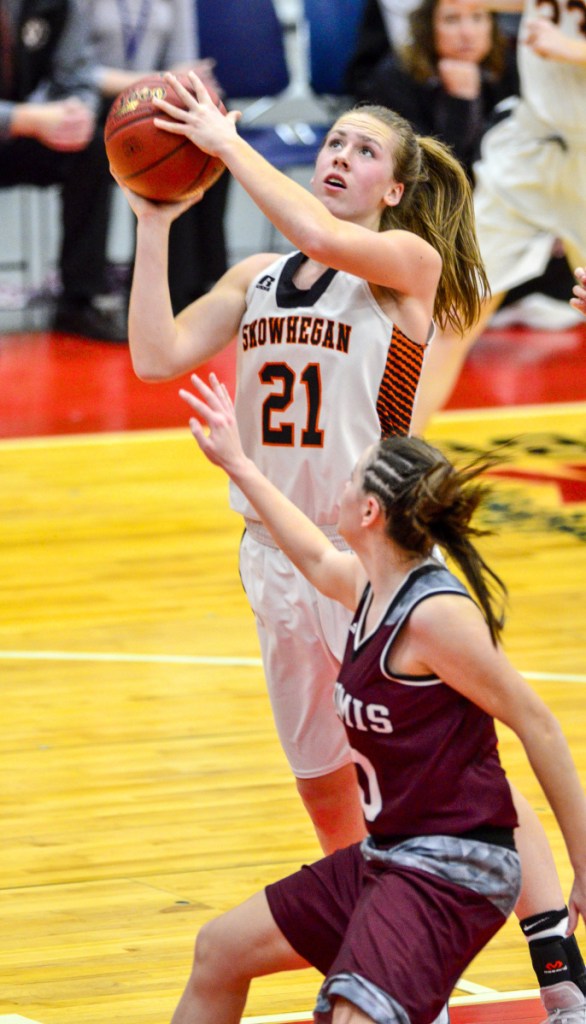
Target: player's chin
[[335, 201]]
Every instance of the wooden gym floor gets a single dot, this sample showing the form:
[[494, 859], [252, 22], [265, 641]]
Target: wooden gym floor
[[144, 789]]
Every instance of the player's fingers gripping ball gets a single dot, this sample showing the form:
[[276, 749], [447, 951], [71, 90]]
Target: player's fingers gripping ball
[[154, 163]]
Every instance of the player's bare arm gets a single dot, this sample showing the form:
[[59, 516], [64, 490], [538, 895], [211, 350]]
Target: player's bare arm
[[209, 324], [163, 346], [447, 635], [337, 574]]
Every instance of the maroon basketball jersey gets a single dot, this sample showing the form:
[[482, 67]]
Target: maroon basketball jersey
[[426, 756]]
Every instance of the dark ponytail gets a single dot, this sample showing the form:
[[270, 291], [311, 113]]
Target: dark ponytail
[[427, 501]]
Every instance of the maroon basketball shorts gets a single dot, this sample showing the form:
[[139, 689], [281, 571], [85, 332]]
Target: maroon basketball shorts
[[393, 938]]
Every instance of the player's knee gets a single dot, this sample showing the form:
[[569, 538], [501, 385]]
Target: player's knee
[[219, 955], [208, 961]]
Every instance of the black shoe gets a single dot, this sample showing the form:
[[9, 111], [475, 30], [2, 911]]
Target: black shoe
[[86, 320]]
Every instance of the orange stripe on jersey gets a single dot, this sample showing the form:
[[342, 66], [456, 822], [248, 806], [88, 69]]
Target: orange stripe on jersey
[[398, 385]]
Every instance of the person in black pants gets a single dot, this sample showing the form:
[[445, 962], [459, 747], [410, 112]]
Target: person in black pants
[[49, 135], [198, 254]]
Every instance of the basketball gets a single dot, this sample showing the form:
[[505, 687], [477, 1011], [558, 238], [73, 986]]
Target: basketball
[[154, 163]]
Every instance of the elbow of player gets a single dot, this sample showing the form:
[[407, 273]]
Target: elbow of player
[[315, 242], [541, 725], [150, 369]]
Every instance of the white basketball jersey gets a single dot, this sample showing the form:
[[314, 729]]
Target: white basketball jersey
[[554, 90], [321, 374]]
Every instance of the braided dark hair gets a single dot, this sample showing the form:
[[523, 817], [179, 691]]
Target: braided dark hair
[[429, 501]]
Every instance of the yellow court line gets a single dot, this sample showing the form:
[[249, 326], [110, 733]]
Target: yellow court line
[[126, 657], [129, 657], [106, 438], [15, 1018]]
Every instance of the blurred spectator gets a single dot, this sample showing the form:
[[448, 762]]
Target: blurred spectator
[[528, 192], [449, 78], [385, 27], [435, 65], [134, 39], [48, 135]]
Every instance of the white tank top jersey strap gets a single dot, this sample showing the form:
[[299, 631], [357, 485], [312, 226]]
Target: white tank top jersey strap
[[321, 374]]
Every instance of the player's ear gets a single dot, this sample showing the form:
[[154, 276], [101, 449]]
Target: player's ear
[[371, 510], [394, 193]]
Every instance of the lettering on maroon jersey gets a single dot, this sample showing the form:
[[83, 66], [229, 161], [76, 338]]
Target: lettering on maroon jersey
[[355, 714]]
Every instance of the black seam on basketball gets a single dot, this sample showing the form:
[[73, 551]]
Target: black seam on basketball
[[206, 169], [138, 120], [201, 172], [193, 184], [157, 163], [130, 124]]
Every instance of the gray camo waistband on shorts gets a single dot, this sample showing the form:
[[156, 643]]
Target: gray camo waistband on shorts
[[490, 870]]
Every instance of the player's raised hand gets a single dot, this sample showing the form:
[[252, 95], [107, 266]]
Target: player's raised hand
[[579, 291], [220, 443], [164, 212], [201, 121], [547, 40]]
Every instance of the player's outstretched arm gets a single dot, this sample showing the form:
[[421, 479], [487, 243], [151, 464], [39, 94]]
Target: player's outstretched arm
[[336, 574], [481, 671], [579, 291]]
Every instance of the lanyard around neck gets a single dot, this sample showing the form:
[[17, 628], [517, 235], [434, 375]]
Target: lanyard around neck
[[133, 34]]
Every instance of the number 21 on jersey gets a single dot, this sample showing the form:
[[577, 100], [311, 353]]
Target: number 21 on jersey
[[277, 431]]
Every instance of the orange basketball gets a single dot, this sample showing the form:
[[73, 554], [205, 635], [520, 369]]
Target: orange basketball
[[154, 163]]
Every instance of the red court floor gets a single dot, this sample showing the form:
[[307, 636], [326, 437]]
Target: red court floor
[[53, 384], [514, 1011], [521, 1011]]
